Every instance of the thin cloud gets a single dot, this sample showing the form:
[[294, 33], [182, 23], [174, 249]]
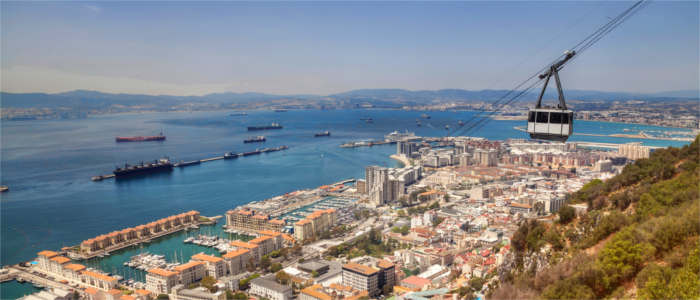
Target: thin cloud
[[93, 8]]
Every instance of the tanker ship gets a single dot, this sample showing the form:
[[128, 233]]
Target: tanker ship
[[161, 165], [121, 139], [265, 127]]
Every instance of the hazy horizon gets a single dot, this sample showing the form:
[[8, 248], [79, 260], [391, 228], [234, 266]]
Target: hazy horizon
[[324, 48]]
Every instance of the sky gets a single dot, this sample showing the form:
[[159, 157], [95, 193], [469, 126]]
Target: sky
[[196, 48]]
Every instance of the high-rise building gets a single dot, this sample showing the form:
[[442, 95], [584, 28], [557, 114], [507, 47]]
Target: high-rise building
[[486, 158], [161, 281], [633, 151], [377, 184], [362, 278], [406, 148]]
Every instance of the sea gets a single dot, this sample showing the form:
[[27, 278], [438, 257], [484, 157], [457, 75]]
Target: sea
[[52, 203]]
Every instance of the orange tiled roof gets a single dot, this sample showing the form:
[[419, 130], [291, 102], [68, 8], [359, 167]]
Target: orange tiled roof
[[260, 239], [270, 232], [75, 267], [91, 291], [261, 217], [207, 258], [235, 253], [242, 244], [288, 237], [186, 266], [114, 292], [316, 292], [384, 264], [360, 268], [61, 259], [245, 212], [99, 276], [48, 253], [161, 272], [415, 281], [142, 292], [277, 221], [126, 297], [302, 222], [340, 287]]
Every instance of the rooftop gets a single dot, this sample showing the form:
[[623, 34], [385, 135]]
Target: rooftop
[[241, 244], [99, 276], [360, 268], [271, 285], [48, 253], [162, 272], [207, 258], [61, 259], [75, 267], [235, 253], [186, 266]]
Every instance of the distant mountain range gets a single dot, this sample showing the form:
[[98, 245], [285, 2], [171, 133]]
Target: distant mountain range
[[83, 99]]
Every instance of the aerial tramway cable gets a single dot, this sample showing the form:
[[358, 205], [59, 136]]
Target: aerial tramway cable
[[479, 120]]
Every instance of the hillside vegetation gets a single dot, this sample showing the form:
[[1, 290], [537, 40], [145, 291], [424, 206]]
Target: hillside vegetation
[[638, 239]]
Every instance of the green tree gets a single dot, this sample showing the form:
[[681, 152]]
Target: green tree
[[163, 297], [275, 267], [566, 214], [282, 277], [265, 262], [209, 283], [568, 289], [314, 274]]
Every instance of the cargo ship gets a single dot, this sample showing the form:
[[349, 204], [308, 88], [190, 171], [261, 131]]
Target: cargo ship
[[121, 139], [255, 139], [325, 133], [161, 165], [265, 127], [238, 114]]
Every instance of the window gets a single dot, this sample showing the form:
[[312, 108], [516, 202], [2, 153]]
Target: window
[[531, 117], [542, 117], [555, 118], [565, 118]]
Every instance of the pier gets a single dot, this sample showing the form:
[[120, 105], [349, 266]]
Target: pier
[[197, 162]]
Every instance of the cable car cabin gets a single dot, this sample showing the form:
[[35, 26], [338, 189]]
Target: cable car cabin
[[550, 124]]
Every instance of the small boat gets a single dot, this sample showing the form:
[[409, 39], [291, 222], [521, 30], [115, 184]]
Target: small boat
[[95, 178], [255, 139], [238, 114], [230, 155], [425, 116], [321, 134], [280, 110], [447, 127], [460, 123]]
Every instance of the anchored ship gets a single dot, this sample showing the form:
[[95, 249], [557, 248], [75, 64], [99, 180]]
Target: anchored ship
[[161, 165], [159, 137], [325, 133], [265, 127], [255, 139], [425, 116]]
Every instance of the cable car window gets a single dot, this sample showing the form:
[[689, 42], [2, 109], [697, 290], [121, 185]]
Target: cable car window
[[542, 117], [555, 118], [531, 118], [565, 118]]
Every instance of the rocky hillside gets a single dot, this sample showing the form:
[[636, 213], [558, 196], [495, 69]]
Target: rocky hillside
[[638, 239]]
